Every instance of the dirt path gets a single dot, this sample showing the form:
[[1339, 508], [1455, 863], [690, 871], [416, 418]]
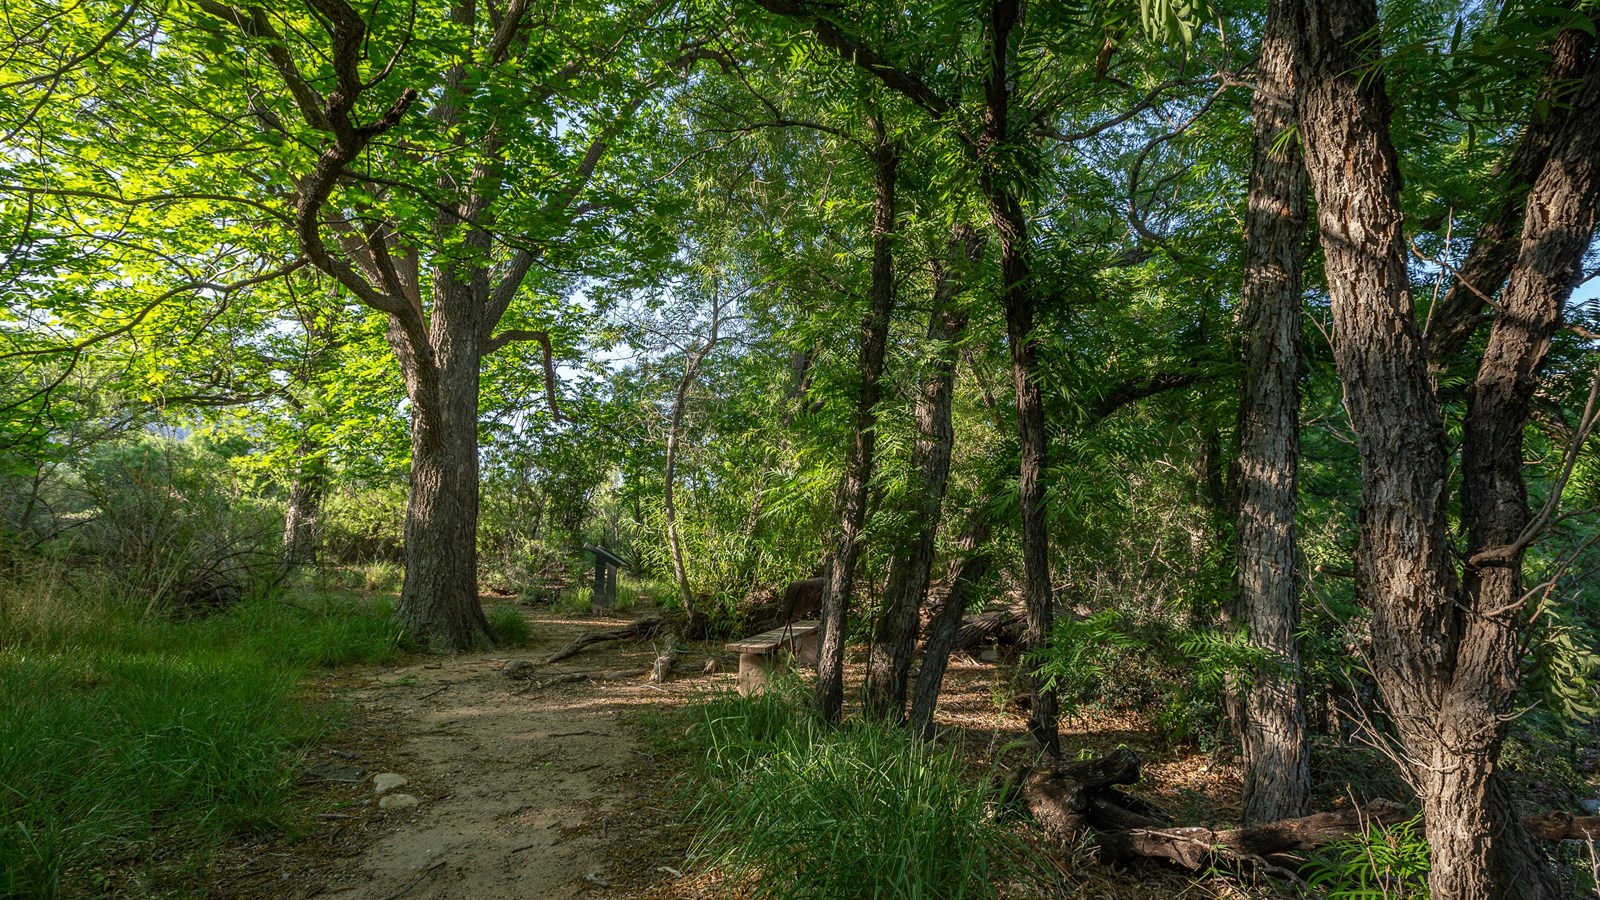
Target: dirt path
[[523, 790]]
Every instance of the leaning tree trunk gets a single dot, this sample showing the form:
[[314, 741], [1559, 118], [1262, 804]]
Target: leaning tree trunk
[[895, 636], [967, 574], [1495, 247], [439, 600], [1017, 297], [1445, 669], [852, 506], [1277, 774]]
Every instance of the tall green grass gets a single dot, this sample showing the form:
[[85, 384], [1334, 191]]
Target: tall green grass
[[125, 740], [794, 809]]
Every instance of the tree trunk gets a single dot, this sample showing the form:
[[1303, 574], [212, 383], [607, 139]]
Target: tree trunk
[[439, 600], [1444, 659], [692, 616], [895, 636], [1557, 229], [852, 505], [1272, 726], [1496, 245], [967, 574], [306, 491], [1017, 297]]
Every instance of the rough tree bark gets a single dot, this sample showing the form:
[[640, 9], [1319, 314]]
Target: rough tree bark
[[1277, 775], [1443, 657], [439, 597], [1557, 229], [852, 503], [895, 637], [1018, 298], [1495, 246]]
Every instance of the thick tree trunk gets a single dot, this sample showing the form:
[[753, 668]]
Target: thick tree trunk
[[306, 491], [1271, 704], [1017, 297], [967, 574], [895, 636], [852, 505], [1444, 659], [1495, 247], [439, 600]]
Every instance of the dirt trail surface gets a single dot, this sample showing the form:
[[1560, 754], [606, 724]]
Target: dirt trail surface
[[524, 787]]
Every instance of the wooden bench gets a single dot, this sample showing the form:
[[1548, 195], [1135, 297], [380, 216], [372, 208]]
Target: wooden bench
[[768, 653]]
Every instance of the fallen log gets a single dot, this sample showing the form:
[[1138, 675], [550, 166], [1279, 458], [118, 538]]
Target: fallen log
[[1196, 848], [1562, 826], [989, 625], [1062, 797], [1077, 799], [571, 677], [640, 629]]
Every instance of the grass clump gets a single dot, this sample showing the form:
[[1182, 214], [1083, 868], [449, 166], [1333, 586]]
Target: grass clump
[[509, 627], [796, 809], [131, 744]]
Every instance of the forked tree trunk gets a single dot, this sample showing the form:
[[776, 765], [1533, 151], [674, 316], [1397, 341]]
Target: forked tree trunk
[[967, 574], [895, 637], [1556, 233], [680, 571], [852, 505], [1444, 658], [1496, 244], [1271, 703], [1017, 297]]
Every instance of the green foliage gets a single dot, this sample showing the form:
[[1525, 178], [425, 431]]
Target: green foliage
[[510, 627], [139, 741], [1153, 664], [1079, 654], [1378, 864], [859, 811], [364, 524], [1565, 666], [172, 524]]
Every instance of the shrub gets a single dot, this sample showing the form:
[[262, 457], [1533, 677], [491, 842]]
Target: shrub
[[1168, 670], [859, 811], [364, 525], [1387, 863], [171, 523]]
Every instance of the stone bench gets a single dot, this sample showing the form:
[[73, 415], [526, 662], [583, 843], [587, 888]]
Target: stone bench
[[769, 653]]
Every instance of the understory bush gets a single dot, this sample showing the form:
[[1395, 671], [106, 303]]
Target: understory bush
[[171, 524], [1381, 863], [1172, 672], [857, 811], [132, 743]]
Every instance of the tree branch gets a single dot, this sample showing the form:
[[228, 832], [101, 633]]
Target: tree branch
[[543, 337]]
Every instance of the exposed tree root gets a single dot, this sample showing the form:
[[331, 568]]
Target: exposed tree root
[[1072, 800]]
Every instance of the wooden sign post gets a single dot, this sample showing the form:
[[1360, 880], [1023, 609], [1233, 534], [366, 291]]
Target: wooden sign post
[[606, 565]]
